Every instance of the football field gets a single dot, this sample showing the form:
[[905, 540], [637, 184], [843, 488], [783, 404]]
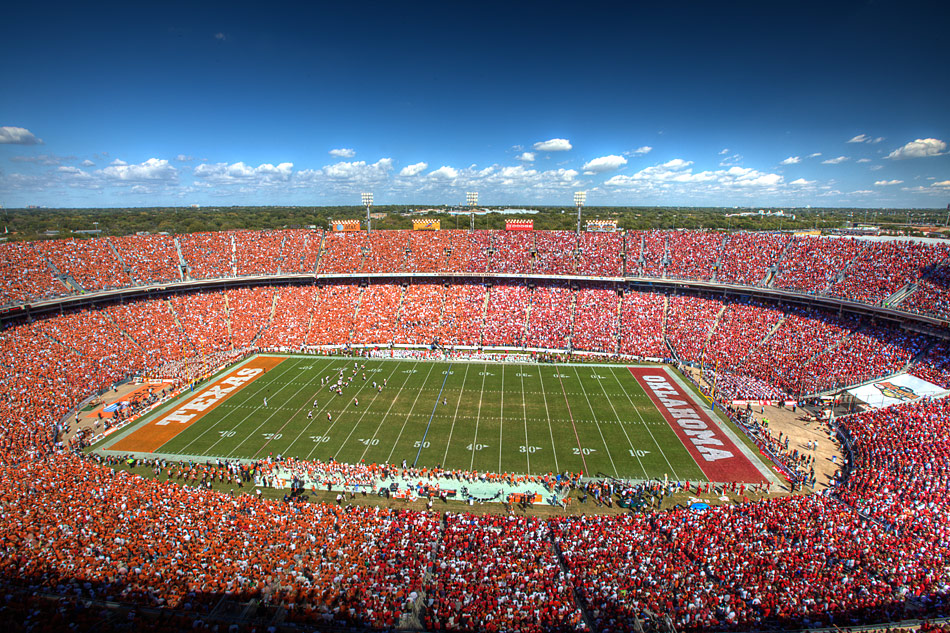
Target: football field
[[477, 416]]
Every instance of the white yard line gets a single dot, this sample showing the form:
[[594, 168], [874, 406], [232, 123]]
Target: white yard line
[[455, 417], [406, 421], [550, 428], [478, 415], [524, 411], [645, 425], [213, 427], [359, 420], [633, 450], [597, 424]]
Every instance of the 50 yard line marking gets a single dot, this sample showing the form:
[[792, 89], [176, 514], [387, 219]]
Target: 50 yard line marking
[[408, 415]]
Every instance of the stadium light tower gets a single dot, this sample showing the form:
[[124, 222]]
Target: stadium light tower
[[580, 197], [471, 199], [367, 202]]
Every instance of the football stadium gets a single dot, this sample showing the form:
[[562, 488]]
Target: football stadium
[[476, 430], [501, 317]]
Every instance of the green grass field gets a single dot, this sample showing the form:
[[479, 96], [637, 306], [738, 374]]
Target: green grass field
[[472, 416]]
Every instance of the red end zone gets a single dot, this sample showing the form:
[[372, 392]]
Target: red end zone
[[716, 454]]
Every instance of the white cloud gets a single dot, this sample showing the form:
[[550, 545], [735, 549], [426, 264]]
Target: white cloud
[[11, 135], [791, 160], [414, 170], [154, 169], [43, 159], [724, 151], [119, 162], [815, 155], [640, 151], [343, 152], [604, 163], [444, 172], [242, 174], [877, 167], [182, 158], [359, 170], [679, 173], [87, 163], [220, 37], [864, 160], [553, 145], [921, 148], [802, 182], [730, 160], [527, 157], [835, 161], [860, 138], [942, 183], [887, 183]]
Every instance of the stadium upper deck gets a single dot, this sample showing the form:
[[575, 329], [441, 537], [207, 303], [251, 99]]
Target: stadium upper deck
[[906, 276], [873, 550]]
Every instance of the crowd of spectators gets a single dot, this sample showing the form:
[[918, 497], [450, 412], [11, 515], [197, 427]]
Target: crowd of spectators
[[258, 252], [505, 315], [26, 276], [599, 255], [556, 253], [811, 263], [596, 319], [90, 263], [208, 254], [747, 258], [852, 268], [689, 324], [511, 252], [375, 322], [872, 550], [150, 259], [387, 252], [883, 268], [550, 319], [498, 573], [642, 322]]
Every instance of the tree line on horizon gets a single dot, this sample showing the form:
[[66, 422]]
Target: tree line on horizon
[[28, 224]]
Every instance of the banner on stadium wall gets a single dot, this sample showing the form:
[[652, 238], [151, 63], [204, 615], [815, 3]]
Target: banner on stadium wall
[[894, 390], [426, 225], [345, 225], [519, 225], [602, 226], [764, 403]]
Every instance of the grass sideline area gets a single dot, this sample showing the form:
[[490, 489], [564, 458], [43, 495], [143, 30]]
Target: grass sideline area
[[477, 416]]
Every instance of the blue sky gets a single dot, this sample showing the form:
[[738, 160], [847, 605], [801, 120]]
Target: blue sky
[[754, 104]]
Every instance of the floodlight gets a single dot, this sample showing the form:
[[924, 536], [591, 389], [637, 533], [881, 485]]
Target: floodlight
[[580, 197], [471, 198], [367, 202]]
